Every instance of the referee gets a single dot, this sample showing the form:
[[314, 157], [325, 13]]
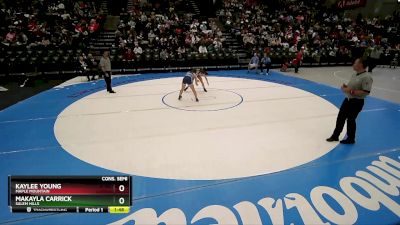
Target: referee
[[105, 65], [356, 90]]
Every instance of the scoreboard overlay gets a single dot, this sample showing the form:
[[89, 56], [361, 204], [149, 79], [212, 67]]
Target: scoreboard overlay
[[91, 194]]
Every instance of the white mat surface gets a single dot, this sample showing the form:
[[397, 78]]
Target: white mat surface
[[276, 127]]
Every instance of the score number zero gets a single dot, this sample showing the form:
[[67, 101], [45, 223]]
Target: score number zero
[[121, 188]]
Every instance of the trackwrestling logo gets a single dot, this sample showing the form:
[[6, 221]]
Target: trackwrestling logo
[[371, 189]]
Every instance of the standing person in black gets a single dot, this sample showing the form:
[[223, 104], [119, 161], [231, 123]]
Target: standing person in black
[[356, 90], [265, 62], [105, 65], [374, 57]]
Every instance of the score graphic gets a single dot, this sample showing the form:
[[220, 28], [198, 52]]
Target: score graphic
[[87, 194]]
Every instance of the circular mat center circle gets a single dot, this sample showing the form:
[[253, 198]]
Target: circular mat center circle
[[275, 128], [212, 100]]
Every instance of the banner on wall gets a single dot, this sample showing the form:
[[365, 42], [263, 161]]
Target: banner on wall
[[350, 4]]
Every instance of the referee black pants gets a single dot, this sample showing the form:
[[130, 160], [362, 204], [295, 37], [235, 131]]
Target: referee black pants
[[107, 79], [348, 111]]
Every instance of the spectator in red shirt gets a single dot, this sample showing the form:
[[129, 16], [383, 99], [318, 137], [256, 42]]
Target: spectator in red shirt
[[94, 26], [32, 26], [284, 65], [11, 36], [129, 55]]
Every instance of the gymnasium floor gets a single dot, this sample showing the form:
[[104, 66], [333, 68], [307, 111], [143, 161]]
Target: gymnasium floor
[[252, 151]]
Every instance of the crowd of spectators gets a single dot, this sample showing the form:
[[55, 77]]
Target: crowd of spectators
[[155, 32], [288, 26], [166, 34], [48, 23]]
